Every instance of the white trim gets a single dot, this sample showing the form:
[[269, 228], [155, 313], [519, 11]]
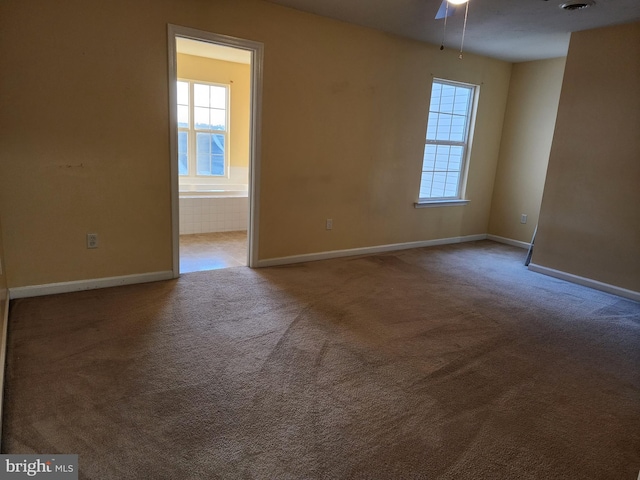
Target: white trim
[[79, 285], [440, 203], [173, 150], [586, 282], [312, 257], [257, 59], [3, 352], [255, 152], [509, 241]]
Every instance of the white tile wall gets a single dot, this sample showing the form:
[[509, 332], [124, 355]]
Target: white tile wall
[[213, 214]]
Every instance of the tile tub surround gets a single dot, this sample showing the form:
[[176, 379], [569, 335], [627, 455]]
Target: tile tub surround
[[204, 214]]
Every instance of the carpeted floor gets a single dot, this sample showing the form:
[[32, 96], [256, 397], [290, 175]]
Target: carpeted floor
[[451, 362]]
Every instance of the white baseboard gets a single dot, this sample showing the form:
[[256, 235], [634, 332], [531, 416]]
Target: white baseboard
[[587, 282], [312, 257], [76, 286], [509, 241]]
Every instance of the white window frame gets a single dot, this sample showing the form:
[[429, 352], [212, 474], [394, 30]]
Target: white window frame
[[459, 198], [192, 131]]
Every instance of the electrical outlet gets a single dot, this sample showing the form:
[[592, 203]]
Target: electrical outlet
[[329, 224], [92, 240], [523, 218]]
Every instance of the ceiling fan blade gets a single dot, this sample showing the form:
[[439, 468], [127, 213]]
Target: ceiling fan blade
[[443, 12]]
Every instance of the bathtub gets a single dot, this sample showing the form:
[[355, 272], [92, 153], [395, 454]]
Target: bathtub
[[198, 191]]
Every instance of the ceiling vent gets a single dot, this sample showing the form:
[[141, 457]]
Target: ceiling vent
[[577, 5]]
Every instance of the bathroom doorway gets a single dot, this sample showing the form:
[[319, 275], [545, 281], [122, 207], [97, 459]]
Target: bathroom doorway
[[214, 111]]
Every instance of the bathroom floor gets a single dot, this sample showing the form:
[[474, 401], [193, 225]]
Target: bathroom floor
[[211, 251]]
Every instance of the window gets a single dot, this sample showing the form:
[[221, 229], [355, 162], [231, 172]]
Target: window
[[445, 151], [202, 129]]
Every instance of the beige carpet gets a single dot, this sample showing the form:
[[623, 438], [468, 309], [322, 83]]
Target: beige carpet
[[453, 362]]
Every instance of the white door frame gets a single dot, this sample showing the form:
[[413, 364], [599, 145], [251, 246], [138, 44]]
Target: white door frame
[[257, 54]]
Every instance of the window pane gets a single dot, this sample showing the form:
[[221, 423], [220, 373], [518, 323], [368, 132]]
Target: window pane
[[429, 160], [455, 159], [432, 126], [442, 158], [183, 116], [461, 103], [436, 90], [443, 126], [217, 144], [446, 98], [209, 154], [183, 162], [218, 97], [183, 93], [200, 95], [457, 128], [203, 164], [203, 143], [217, 164], [201, 118], [217, 154], [451, 184], [203, 154], [439, 180], [425, 184], [218, 119]]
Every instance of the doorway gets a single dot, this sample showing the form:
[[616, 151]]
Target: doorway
[[215, 99]]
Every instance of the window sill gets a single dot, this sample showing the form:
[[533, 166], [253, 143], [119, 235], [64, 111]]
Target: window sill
[[440, 203]]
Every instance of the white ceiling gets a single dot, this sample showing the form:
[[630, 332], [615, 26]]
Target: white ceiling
[[512, 30]]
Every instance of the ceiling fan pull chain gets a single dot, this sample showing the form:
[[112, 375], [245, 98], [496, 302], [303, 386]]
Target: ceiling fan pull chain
[[444, 30], [464, 29]]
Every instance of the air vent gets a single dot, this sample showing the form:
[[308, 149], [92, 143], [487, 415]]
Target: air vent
[[577, 5]]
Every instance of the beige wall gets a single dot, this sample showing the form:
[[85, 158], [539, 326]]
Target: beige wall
[[529, 122], [3, 278], [84, 133], [4, 305], [590, 215], [349, 138], [238, 77]]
